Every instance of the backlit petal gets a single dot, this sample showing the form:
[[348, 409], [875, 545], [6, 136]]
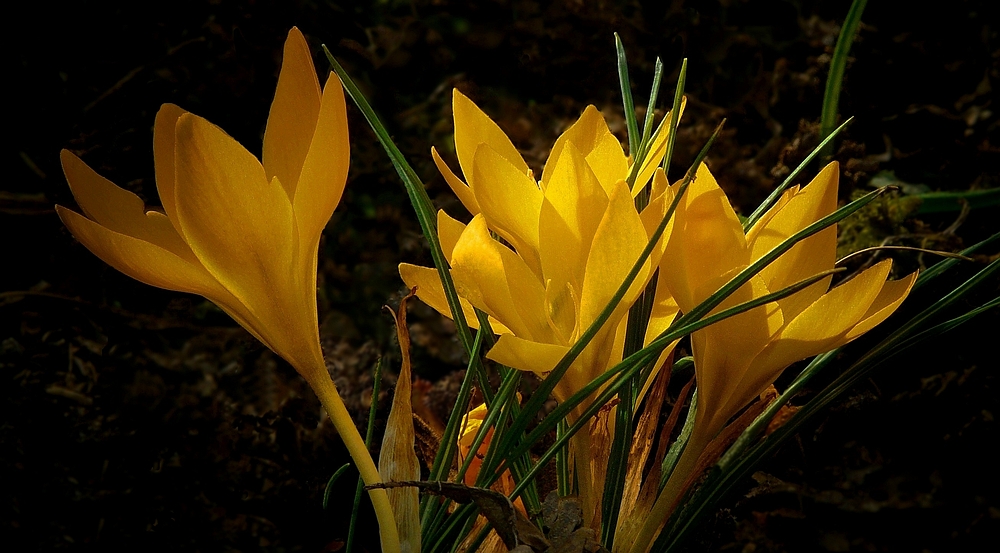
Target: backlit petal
[[561, 310], [431, 292], [786, 351], [585, 133], [294, 111], [526, 355], [656, 152], [892, 294], [163, 156], [324, 170], [724, 350], [449, 231], [479, 267], [118, 209], [143, 261], [662, 196], [706, 242], [607, 161], [810, 256], [472, 128], [510, 200], [838, 311], [460, 189], [238, 223], [571, 210], [618, 242]]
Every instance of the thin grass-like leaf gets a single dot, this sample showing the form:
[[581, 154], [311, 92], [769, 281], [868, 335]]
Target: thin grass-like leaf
[[562, 462], [647, 125], [628, 103], [941, 267], [838, 63], [675, 116], [329, 484], [422, 206], [635, 332], [449, 443], [677, 447], [775, 194]]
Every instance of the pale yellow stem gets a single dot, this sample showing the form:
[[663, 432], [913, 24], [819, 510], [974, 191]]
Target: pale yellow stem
[[328, 396], [584, 474]]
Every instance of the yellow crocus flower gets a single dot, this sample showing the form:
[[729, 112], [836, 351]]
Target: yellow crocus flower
[[573, 236], [737, 358], [243, 233]]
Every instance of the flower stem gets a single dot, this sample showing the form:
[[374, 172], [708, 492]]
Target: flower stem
[[328, 396], [671, 493]]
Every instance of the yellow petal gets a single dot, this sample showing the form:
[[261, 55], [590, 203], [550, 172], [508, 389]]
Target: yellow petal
[[460, 189], [825, 324], [294, 110], [810, 256], [584, 133], [510, 200], [561, 310], [490, 276], [618, 242], [431, 292], [238, 224], [572, 208], [706, 242], [838, 310], [724, 351], [324, 169], [138, 258], [786, 351], [449, 231], [526, 355], [664, 312], [608, 162], [656, 153], [662, 196], [163, 156], [892, 294], [472, 128], [118, 209], [156, 266]]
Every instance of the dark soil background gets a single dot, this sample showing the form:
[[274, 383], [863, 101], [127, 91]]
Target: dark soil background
[[141, 419]]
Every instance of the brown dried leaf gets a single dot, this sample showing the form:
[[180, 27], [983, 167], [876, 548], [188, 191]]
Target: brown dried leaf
[[398, 461]]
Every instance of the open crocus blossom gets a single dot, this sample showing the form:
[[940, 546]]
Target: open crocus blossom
[[242, 233], [566, 244], [573, 236], [737, 358]]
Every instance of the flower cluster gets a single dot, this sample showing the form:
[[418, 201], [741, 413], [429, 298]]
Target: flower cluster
[[543, 258]]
